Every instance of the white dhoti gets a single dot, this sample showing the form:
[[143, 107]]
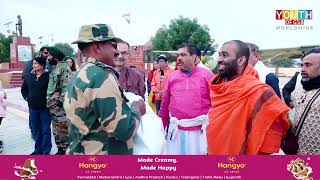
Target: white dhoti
[[186, 142]]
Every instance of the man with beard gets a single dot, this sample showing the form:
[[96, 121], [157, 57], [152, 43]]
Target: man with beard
[[292, 84], [101, 120], [246, 116], [185, 104], [130, 79], [55, 97], [308, 138]]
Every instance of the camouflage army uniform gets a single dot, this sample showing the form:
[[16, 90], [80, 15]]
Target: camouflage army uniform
[[101, 121], [55, 96]]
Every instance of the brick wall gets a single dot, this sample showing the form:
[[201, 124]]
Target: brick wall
[[136, 56]]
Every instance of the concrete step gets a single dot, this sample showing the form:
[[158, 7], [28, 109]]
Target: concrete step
[[17, 76], [16, 79], [15, 85], [15, 82]]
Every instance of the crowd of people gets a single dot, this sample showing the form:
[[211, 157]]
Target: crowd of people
[[236, 111]]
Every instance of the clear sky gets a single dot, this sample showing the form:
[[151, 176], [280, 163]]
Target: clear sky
[[247, 20]]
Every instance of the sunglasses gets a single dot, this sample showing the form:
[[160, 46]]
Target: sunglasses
[[112, 43], [45, 52]]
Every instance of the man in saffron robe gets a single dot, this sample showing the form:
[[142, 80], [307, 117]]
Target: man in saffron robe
[[246, 116], [185, 105]]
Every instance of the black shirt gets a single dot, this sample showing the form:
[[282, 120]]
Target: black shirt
[[273, 81], [34, 90], [289, 88]]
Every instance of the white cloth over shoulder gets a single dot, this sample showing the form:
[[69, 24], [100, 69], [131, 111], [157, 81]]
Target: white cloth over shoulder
[[149, 138], [297, 87], [262, 70], [298, 82]]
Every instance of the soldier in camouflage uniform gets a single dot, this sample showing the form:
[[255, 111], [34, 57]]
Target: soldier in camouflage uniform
[[101, 121], [57, 86]]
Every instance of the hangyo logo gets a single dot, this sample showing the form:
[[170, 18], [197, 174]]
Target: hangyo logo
[[92, 164], [231, 164]]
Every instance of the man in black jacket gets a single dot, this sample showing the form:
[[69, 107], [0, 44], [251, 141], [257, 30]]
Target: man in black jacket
[[34, 91]]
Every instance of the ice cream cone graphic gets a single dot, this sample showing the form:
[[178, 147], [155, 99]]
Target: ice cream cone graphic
[[27, 171], [300, 169]]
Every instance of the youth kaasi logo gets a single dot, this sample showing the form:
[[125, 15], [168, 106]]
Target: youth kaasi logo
[[293, 17], [299, 169], [231, 164], [92, 164], [28, 170]]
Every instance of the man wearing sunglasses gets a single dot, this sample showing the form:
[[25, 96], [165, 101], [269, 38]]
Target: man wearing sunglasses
[[101, 121], [44, 52]]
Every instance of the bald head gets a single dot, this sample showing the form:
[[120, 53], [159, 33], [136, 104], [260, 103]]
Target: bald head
[[242, 48], [310, 66]]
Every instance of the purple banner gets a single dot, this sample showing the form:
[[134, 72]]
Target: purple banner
[[160, 167]]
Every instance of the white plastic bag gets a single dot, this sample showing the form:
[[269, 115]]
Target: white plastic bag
[[149, 138]]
